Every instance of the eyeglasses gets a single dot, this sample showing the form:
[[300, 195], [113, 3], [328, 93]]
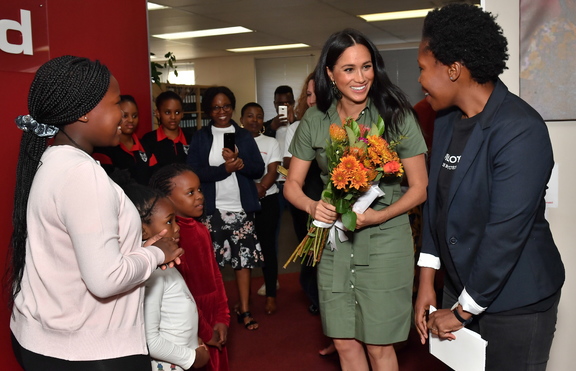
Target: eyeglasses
[[225, 108]]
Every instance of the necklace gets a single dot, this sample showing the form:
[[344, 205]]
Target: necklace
[[71, 140]]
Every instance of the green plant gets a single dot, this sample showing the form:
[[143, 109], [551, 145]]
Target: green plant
[[155, 67]]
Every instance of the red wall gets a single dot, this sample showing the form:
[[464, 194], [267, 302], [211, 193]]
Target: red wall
[[116, 33]]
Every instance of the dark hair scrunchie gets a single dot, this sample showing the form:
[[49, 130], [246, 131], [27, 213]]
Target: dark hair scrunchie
[[66, 88]]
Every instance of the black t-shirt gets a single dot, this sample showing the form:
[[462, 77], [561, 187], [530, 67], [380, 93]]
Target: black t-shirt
[[460, 135]]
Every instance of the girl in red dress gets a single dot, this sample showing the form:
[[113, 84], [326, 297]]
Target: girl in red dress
[[199, 268]]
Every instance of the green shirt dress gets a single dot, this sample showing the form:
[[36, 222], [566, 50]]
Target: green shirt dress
[[365, 284]]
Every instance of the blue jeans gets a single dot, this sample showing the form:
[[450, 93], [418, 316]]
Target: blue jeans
[[519, 342]]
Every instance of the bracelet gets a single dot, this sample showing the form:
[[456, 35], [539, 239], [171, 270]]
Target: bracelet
[[459, 317]]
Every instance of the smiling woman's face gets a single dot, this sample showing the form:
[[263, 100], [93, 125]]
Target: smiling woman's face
[[435, 79], [353, 74], [221, 111]]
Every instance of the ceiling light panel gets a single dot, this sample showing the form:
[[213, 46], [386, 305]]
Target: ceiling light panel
[[203, 33]]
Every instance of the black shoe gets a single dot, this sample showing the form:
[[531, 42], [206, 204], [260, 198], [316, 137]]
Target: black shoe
[[314, 309]]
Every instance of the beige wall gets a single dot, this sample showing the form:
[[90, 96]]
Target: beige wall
[[561, 218], [238, 73]]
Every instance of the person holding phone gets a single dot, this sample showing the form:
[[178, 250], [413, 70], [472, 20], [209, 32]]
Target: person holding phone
[[227, 179], [284, 105]]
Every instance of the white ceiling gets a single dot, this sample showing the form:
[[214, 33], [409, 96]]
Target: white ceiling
[[279, 22]]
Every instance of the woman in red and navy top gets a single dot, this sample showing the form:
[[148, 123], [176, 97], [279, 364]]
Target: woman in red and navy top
[[169, 143], [130, 153]]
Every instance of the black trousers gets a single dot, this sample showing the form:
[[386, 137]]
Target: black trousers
[[519, 342], [31, 361], [267, 220]]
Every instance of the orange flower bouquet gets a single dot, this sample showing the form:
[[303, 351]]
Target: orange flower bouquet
[[358, 157]]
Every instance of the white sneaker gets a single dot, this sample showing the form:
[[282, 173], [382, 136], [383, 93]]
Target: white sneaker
[[262, 290]]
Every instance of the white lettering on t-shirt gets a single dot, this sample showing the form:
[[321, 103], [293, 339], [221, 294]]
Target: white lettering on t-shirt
[[450, 162]]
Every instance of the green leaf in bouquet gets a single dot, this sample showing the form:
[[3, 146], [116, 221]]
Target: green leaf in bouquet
[[380, 126], [352, 137], [349, 196], [355, 127], [342, 206], [327, 193], [349, 220]]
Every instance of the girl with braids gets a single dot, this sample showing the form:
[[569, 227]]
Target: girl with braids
[[78, 265], [170, 311], [199, 268], [365, 283]]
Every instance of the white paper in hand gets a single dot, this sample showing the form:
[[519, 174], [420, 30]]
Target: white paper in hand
[[466, 353]]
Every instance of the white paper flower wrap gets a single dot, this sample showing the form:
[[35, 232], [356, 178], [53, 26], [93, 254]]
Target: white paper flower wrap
[[359, 207]]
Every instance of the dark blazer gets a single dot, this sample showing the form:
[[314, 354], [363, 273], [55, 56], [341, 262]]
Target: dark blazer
[[199, 153], [496, 233]]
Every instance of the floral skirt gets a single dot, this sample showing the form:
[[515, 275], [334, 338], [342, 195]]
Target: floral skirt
[[234, 239]]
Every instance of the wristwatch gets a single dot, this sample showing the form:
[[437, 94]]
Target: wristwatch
[[464, 322]]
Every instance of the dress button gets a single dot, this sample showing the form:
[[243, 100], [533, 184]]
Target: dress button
[[352, 271], [351, 255], [453, 240], [351, 286]]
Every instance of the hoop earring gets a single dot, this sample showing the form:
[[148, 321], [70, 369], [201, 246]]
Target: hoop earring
[[263, 130], [337, 93]]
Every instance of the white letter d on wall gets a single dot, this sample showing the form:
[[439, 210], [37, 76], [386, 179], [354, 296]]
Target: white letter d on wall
[[25, 28]]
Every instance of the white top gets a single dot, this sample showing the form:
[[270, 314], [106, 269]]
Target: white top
[[82, 291], [171, 320], [227, 190], [281, 137], [270, 152], [288, 139]]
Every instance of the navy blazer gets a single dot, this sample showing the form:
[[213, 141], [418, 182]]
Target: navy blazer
[[198, 159], [496, 233]]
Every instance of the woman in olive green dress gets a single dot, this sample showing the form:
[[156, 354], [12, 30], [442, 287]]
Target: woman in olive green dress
[[365, 283]]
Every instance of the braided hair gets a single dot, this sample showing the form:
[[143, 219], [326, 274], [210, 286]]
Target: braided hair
[[63, 90], [162, 179], [144, 198]]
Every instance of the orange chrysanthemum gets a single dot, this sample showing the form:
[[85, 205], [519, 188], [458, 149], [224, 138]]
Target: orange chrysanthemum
[[376, 141], [339, 178], [337, 133], [358, 178], [348, 163]]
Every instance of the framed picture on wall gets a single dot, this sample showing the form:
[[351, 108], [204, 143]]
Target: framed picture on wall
[[547, 57]]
